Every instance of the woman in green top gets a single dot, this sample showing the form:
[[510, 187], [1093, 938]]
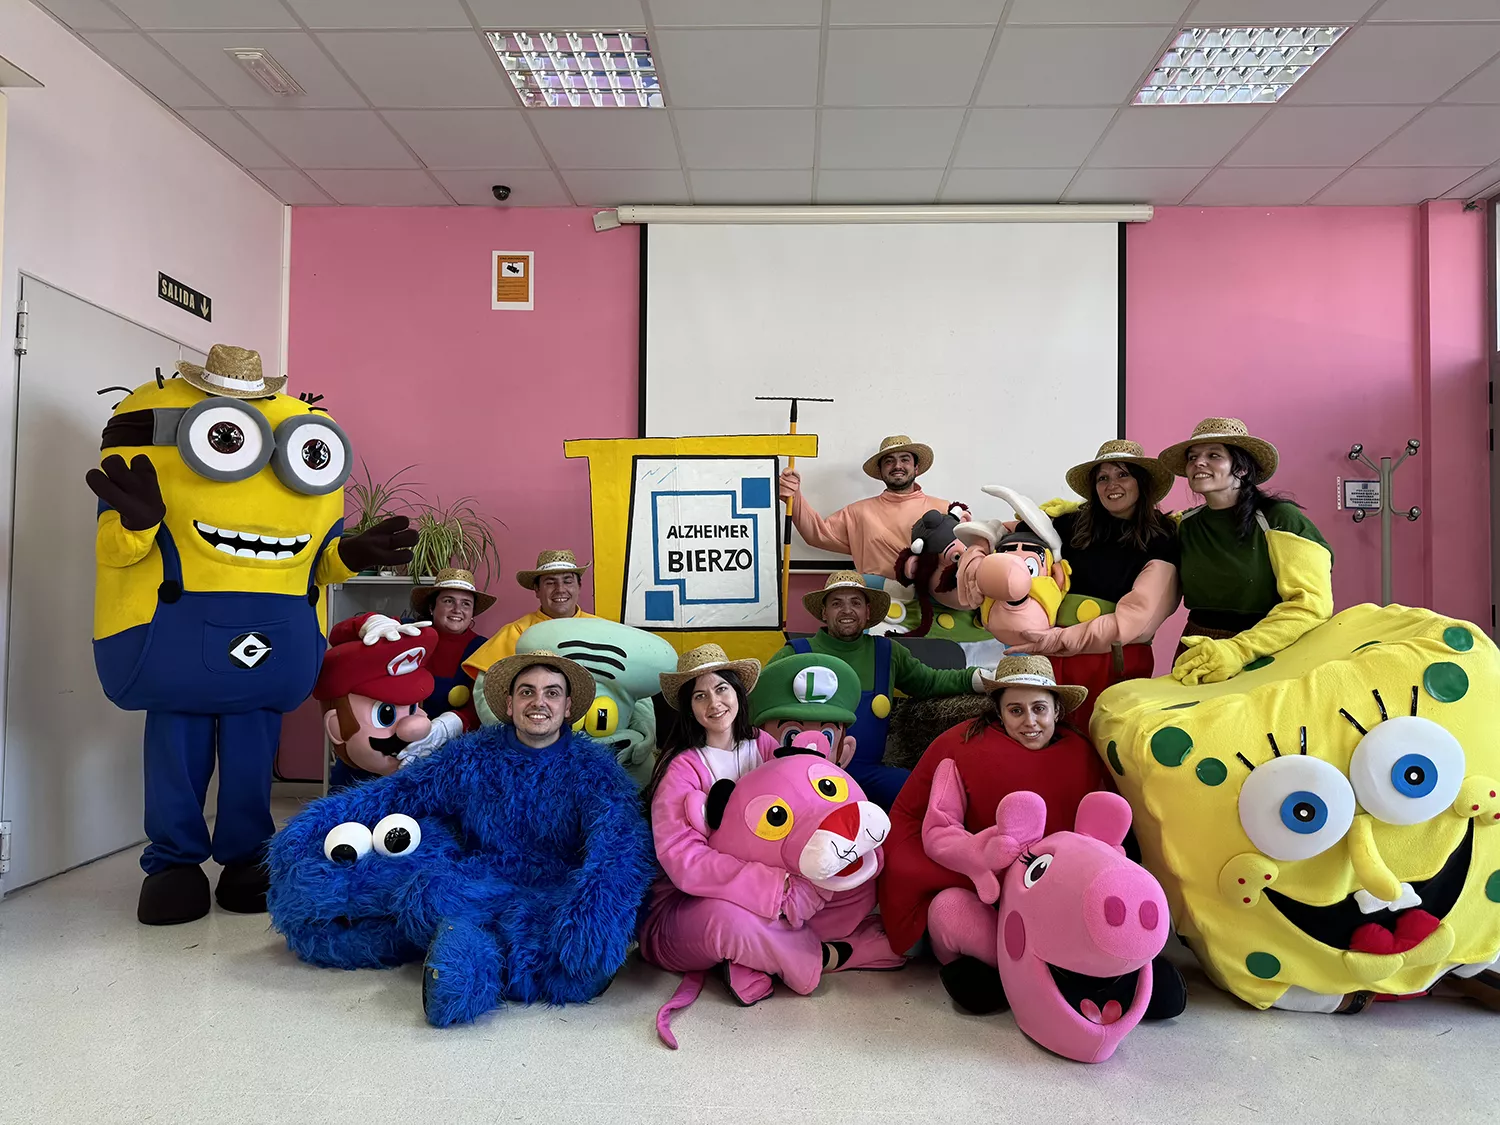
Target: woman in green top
[[1256, 573]]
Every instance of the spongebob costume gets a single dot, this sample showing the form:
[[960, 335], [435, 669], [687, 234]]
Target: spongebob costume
[[1326, 823], [221, 505]]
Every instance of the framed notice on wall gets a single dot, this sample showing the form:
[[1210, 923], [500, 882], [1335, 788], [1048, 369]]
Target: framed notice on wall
[[511, 279]]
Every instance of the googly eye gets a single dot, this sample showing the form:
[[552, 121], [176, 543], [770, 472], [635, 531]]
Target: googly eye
[[397, 834], [602, 718], [1295, 807], [775, 823], [1407, 770], [1036, 869], [834, 789], [224, 440], [312, 454], [347, 842]]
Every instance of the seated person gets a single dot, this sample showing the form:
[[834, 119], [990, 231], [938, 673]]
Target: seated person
[[451, 603]]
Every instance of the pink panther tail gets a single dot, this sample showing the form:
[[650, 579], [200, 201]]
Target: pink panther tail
[[687, 992]]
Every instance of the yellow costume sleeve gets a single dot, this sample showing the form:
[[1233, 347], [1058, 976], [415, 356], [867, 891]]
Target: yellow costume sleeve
[[331, 567], [1059, 507], [1304, 579], [116, 545]]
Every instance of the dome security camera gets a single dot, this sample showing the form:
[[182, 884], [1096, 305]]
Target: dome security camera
[[501, 192]]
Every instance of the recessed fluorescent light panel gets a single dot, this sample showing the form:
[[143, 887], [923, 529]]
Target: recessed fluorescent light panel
[[1235, 65], [266, 70], [593, 69]]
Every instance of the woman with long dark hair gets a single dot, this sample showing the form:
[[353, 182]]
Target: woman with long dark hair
[[1256, 572]]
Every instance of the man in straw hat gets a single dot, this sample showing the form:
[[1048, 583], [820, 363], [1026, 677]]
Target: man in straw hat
[[1256, 572], [557, 581], [846, 606], [451, 603]]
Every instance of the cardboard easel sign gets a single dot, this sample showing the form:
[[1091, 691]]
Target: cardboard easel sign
[[512, 279]]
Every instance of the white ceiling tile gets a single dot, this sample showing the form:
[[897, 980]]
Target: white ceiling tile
[[1261, 187], [904, 185], [752, 187], [746, 138], [1428, 11], [181, 14], [86, 15], [1005, 185], [1095, 11], [142, 60], [1392, 186], [1396, 63], [203, 54], [1483, 88], [923, 12], [1070, 65], [330, 138], [738, 68], [386, 188], [607, 138], [1446, 135], [1165, 186], [380, 13], [1254, 13], [615, 188], [292, 187], [535, 188], [888, 138], [1320, 136], [736, 13], [1021, 138], [1195, 136], [557, 15], [468, 138], [922, 66], [1481, 182], [421, 68], [237, 141]]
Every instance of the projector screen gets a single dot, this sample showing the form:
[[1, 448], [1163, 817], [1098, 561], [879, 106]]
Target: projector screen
[[997, 344]]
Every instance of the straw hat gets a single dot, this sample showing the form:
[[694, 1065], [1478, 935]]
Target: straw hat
[[1032, 671], [231, 372], [501, 674], [551, 562], [1080, 478], [451, 578], [900, 443], [880, 601], [1224, 431], [706, 658]]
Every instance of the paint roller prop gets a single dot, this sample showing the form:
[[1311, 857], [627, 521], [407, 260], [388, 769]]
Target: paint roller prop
[[786, 538]]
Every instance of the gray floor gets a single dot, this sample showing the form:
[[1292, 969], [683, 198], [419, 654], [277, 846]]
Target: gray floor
[[104, 1021]]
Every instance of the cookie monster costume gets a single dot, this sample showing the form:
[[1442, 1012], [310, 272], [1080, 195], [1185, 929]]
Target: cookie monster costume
[[515, 873]]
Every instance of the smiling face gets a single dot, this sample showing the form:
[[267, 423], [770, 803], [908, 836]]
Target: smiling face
[[1030, 715], [898, 470], [846, 613], [538, 705], [1325, 820], [715, 706], [1210, 473], [558, 594], [1117, 489], [453, 611]]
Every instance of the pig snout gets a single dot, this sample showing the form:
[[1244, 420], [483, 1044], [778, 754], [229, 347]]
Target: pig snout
[[1125, 912], [1004, 577]]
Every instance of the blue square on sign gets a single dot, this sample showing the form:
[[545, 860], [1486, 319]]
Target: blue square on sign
[[755, 492], [659, 605]]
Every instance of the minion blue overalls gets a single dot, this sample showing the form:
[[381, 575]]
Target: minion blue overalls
[[872, 719], [244, 659]]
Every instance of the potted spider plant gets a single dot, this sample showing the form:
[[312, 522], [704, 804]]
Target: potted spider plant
[[453, 534], [367, 501]]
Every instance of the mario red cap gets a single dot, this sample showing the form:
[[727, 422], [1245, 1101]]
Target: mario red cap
[[390, 671]]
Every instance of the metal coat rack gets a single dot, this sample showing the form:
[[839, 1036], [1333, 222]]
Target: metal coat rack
[[1386, 469]]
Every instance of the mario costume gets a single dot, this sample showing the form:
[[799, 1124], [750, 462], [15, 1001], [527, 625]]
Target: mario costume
[[452, 686]]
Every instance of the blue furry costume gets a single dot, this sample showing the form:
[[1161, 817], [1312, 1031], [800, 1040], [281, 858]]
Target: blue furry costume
[[518, 877]]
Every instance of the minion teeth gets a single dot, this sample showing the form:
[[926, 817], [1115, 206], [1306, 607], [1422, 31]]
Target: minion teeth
[[249, 544]]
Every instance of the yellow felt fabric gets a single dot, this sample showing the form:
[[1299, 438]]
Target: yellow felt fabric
[[1174, 752]]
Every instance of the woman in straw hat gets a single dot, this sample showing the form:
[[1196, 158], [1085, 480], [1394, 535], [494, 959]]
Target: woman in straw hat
[[1256, 573], [451, 603], [1124, 558]]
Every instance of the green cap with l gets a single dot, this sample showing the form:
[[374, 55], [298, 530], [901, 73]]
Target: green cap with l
[[807, 686]]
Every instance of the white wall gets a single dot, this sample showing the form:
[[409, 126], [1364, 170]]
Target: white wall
[[103, 188]]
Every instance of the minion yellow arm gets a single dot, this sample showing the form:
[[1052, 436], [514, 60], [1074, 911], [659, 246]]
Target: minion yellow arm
[[331, 567], [116, 545]]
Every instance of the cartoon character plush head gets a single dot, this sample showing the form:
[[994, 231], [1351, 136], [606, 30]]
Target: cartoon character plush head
[[1020, 574], [807, 692], [1079, 927], [930, 562], [1325, 823], [372, 695]]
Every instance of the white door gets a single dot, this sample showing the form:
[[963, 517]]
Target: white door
[[70, 777]]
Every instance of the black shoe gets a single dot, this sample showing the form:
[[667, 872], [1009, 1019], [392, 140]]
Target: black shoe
[[836, 954], [1354, 1003], [173, 896], [974, 986], [1168, 991], [242, 887]]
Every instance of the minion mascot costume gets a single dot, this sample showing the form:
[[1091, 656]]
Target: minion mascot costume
[[220, 508]]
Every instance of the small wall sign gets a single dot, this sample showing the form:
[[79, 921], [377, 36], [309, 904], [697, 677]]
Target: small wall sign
[[511, 279], [1362, 494], [176, 293]]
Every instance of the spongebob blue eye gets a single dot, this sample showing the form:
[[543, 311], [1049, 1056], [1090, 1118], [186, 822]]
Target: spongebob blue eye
[[1414, 775], [1407, 770]]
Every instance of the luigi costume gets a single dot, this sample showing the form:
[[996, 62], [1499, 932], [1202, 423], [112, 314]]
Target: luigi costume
[[883, 668], [453, 687]]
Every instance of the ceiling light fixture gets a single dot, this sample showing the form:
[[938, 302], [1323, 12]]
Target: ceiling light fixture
[[1235, 65], [594, 69], [259, 64]]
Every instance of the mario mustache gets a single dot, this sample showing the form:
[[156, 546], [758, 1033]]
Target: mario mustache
[[390, 745]]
